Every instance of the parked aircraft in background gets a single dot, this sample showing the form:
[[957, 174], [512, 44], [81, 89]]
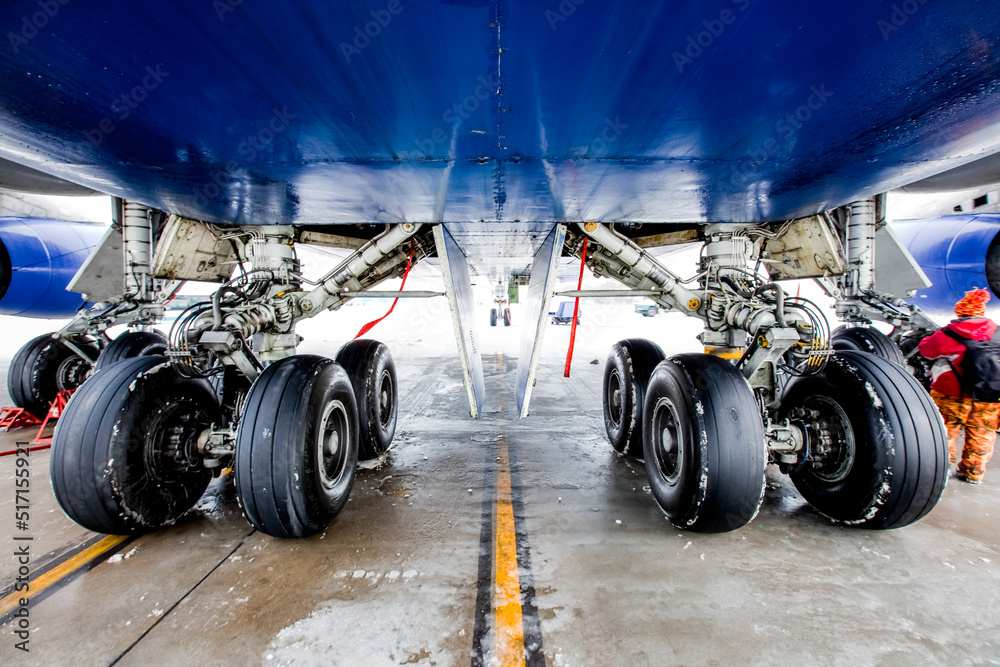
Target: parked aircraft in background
[[498, 137]]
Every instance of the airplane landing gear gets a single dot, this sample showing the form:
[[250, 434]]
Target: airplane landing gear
[[229, 389], [860, 438], [124, 454]]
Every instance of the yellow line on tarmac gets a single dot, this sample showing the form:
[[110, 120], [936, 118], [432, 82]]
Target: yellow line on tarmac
[[70, 565], [507, 593]]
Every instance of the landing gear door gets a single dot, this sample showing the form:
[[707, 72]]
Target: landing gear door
[[540, 287], [458, 286]]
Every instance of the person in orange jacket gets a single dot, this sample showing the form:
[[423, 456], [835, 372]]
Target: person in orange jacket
[[980, 420]]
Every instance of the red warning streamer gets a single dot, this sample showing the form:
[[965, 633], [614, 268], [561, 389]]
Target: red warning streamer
[[576, 309], [368, 327]]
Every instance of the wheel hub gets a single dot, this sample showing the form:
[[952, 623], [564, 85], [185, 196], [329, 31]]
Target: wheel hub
[[832, 446], [170, 447], [385, 399], [614, 390], [667, 440], [71, 372], [331, 452]]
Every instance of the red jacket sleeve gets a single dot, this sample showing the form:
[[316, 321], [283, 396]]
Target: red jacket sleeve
[[939, 344]]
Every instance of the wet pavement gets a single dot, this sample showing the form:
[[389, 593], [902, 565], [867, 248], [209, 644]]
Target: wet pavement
[[418, 569]]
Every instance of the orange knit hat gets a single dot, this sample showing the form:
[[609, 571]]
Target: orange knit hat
[[973, 303]]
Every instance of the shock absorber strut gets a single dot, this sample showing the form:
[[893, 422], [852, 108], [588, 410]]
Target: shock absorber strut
[[861, 246], [137, 243]]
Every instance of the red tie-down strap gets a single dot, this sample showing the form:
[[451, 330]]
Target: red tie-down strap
[[576, 310], [368, 327]]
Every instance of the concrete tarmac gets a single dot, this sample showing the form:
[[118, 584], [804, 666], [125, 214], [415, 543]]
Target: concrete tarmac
[[419, 568]]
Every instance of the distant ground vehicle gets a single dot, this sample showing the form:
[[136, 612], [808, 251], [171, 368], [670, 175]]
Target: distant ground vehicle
[[564, 313], [647, 309]]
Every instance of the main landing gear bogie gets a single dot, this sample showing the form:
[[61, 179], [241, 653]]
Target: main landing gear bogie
[[874, 452], [128, 458]]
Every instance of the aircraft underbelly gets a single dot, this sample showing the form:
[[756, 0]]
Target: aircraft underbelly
[[320, 113]]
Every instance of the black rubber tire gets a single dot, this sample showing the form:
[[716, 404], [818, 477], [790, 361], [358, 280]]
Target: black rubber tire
[[369, 365], [899, 464], [626, 374], [866, 339], [105, 470], [132, 344], [506, 317], [284, 488], [918, 365], [703, 439], [43, 368], [493, 317]]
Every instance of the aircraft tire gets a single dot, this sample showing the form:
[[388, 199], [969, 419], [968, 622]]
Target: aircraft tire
[[131, 344], [506, 317], [297, 446], [493, 317], [866, 339], [43, 368], [888, 462], [626, 374], [703, 439], [369, 365], [918, 365], [123, 454]]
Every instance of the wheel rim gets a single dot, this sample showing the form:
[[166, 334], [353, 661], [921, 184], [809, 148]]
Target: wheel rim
[[614, 393], [385, 396], [71, 372], [332, 444], [170, 447], [832, 446], [667, 438]]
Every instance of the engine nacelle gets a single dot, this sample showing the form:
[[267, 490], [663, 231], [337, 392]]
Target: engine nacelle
[[958, 253], [38, 258]]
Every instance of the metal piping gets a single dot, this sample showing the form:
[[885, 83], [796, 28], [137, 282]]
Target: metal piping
[[642, 264], [355, 266]]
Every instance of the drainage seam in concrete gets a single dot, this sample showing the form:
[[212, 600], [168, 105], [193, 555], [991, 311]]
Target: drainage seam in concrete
[[182, 598]]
